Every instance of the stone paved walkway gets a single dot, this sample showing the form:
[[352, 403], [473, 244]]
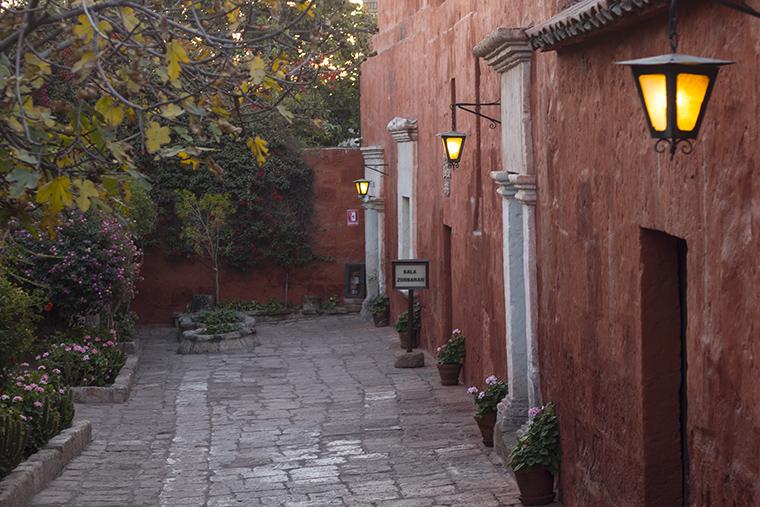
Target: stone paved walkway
[[315, 415]]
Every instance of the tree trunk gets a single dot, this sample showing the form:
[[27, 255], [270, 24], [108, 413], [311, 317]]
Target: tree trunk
[[216, 284], [287, 276]]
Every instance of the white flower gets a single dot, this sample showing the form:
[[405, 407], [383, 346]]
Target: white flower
[[472, 390], [481, 395], [492, 380]]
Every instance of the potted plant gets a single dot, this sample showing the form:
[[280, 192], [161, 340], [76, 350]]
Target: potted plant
[[402, 327], [380, 306], [535, 458], [450, 357], [486, 402]]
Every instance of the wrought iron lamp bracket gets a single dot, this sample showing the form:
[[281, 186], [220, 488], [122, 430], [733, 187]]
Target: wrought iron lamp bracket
[[372, 167], [467, 106], [741, 6]]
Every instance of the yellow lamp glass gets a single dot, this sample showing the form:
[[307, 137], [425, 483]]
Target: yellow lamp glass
[[691, 90], [453, 142], [362, 187], [654, 88]]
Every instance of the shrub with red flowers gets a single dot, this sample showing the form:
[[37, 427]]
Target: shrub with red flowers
[[91, 361], [90, 265]]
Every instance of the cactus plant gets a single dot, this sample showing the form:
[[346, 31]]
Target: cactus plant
[[13, 438], [66, 409], [44, 427]]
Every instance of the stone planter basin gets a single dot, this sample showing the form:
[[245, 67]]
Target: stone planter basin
[[193, 340]]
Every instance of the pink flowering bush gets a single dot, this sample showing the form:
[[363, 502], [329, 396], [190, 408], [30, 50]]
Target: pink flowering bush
[[94, 360], [453, 351], [487, 399], [41, 400], [90, 265]]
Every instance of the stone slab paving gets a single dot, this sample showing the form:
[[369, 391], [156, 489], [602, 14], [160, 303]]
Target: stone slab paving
[[314, 415]]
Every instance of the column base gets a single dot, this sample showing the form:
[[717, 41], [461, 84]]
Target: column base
[[510, 416]]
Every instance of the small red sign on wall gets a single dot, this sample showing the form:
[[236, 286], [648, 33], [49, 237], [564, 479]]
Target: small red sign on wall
[[352, 217]]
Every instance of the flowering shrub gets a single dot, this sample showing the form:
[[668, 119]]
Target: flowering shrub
[[487, 399], [89, 266], [18, 312], [539, 446], [452, 352], [95, 361], [40, 399]]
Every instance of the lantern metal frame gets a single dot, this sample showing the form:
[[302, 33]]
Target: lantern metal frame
[[372, 167], [456, 134], [358, 191], [468, 107], [670, 66]]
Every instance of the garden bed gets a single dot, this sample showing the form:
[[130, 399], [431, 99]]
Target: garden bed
[[216, 330], [119, 391], [32, 475]]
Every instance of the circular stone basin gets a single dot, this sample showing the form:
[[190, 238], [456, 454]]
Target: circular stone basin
[[193, 341]]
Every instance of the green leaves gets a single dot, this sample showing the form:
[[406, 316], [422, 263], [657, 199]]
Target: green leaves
[[56, 194], [540, 445]]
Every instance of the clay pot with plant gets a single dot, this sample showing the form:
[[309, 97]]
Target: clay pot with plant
[[404, 331], [450, 357], [486, 402], [380, 308], [535, 458]]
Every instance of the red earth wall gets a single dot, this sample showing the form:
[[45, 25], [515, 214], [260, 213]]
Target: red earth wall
[[168, 283], [599, 184]]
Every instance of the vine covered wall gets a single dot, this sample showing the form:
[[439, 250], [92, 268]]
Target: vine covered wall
[[256, 267]]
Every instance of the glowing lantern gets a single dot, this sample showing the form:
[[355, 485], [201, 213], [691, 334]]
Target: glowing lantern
[[362, 187], [674, 90], [453, 142]]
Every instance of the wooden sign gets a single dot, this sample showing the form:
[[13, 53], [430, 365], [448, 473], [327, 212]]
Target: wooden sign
[[352, 217], [411, 274]]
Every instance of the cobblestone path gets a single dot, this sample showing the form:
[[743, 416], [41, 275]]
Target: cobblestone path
[[314, 415]]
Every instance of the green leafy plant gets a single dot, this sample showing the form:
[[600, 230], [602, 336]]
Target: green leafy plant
[[205, 222], [272, 306], [18, 313], [91, 360], [487, 399], [219, 320], [379, 304], [539, 446], [453, 351], [331, 303], [402, 323]]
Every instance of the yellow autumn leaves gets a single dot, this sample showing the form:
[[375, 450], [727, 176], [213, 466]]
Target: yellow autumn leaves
[[259, 149]]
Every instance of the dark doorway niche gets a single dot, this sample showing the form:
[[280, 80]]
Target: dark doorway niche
[[663, 369]]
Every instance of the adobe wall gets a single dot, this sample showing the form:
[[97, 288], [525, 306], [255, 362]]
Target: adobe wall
[[599, 183], [169, 283]]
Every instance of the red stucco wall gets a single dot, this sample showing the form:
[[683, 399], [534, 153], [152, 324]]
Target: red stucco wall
[[599, 183], [168, 284]]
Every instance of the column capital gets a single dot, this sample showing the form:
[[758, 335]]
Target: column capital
[[526, 188], [403, 130], [372, 153], [505, 48], [506, 188], [375, 204]]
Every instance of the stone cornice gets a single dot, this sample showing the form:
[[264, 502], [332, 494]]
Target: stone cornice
[[375, 204], [587, 18], [526, 188], [505, 48], [372, 153], [403, 130], [506, 188]]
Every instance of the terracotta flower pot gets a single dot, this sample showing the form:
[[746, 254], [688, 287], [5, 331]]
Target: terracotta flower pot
[[486, 424], [536, 486], [380, 319], [404, 338], [449, 374]]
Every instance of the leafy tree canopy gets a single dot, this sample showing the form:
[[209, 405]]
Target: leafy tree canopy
[[86, 88]]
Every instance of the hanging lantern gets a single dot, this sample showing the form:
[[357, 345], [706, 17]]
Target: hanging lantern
[[453, 142], [674, 90], [362, 187]]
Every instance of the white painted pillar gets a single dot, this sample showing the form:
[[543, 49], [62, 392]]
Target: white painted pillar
[[374, 156], [515, 407], [508, 51], [404, 132]]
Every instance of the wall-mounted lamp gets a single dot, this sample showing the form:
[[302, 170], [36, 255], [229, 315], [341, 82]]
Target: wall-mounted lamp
[[453, 141], [372, 167], [362, 187], [675, 89]]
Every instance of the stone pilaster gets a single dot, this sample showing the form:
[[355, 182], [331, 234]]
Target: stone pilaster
[[374, 158], [404, 132]]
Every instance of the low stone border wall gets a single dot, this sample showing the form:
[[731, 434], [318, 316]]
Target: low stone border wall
[[33, 475], [118, 392], [193, 341]]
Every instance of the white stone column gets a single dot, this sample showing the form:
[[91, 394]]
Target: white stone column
[[404, 132], [374, 157], [514, 409], [526, 194], [508, 51]]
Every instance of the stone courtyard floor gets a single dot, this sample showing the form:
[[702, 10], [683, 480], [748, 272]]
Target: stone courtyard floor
[[315, 414]]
